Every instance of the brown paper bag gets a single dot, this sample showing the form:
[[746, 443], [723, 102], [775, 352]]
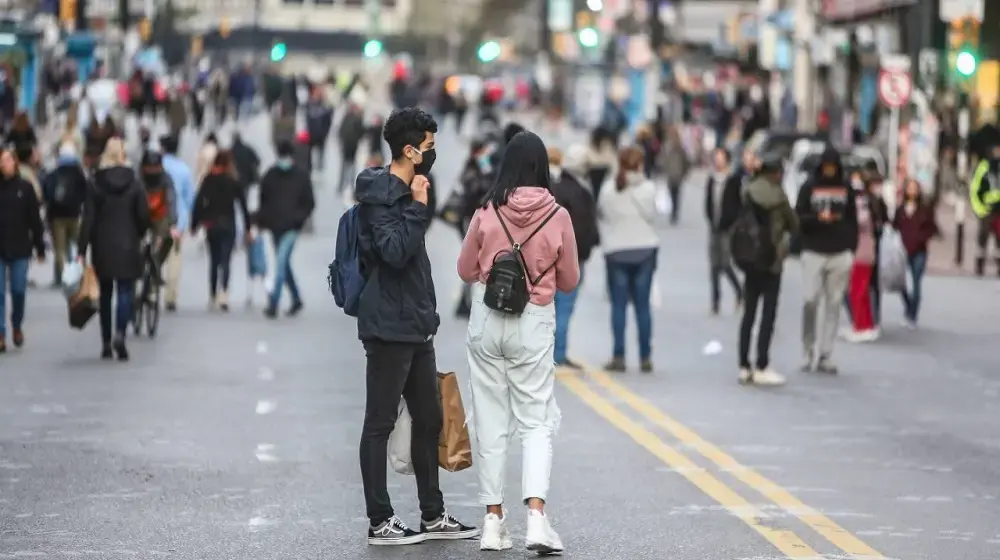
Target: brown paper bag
[[83, 305], [454, 447]]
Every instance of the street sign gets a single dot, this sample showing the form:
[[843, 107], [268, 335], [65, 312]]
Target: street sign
[[894, 88]]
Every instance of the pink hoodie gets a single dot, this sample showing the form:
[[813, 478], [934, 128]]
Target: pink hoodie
[[555, 243]]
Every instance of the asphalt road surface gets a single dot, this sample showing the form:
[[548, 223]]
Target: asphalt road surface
[[232, 437]]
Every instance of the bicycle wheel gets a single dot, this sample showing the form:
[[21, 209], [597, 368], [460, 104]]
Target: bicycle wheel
[[153, 311], [138, 304]]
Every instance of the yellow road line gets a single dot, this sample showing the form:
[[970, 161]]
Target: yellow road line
[[786, 541], [830, 530]]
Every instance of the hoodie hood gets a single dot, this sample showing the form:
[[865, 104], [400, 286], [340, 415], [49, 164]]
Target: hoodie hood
[[830, 170], [766, 193], [115, 180], [527, 206], [376, 185]]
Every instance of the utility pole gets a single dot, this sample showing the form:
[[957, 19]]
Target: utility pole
[[805, 88], [545, 32], [123, 16], [255, 37]]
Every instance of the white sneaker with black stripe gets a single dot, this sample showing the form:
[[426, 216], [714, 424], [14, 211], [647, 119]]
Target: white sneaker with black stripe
[[394, 533], [447, 528]]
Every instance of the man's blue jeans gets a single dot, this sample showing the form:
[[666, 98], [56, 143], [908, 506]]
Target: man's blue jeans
[[16, 273], [565, 303], [911, 298], [283, 269], [632, 282]]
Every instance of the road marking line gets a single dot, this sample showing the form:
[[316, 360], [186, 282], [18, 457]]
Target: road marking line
[[785, 540], [265, 374], [262, 347], [264, 454], [830, 530], [265, 407]]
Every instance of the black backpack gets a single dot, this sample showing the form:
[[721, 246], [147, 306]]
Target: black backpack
[[508, 287], [750, 242]]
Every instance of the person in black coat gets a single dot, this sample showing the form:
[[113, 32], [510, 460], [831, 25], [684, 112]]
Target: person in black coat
[[115, 221], [246, 161], [65, 191], [720, 263], [286, 202], [215, 210], [21, 232]]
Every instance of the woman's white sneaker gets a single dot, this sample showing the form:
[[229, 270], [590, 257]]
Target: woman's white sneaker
[[496, 536], [541, 537]]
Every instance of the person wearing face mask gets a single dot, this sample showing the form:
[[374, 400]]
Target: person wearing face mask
[[475, 181], [397, 321], [161, 198], [720, 262], [286, 203]]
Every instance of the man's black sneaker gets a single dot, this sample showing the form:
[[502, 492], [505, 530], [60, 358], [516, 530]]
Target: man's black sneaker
[[270, 312], [393, 533], [447, 528], [295, 309]]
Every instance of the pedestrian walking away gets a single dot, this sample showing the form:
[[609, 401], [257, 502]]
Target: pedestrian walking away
[[511, 350], [829, 231], [65, 191], [215, 211], [21, 234], [397, 321], [184, 190], [115, 220], [286, 203], [627, 218]]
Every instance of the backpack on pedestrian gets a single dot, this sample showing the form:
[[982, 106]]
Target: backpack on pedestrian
[[751, 242], [344, 276], [509, 284]]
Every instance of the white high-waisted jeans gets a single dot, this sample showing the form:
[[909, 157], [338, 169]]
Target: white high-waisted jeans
[[513, 381]]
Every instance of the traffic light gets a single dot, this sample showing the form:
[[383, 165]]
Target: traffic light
[[489, 51], [278, 52], [966, 63], [588, 37], [373, 48]]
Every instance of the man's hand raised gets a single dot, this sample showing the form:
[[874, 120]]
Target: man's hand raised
[[419, 187]]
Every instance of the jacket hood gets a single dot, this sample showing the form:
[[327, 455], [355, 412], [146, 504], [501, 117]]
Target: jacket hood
[[115, 179], [527, 206], [376, 185], [830, 170], [765, 192]]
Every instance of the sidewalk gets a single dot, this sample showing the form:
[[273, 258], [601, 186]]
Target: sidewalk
[[941, 253]]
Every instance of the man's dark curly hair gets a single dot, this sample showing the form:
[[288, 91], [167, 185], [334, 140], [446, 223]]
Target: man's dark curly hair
[[407, 127]]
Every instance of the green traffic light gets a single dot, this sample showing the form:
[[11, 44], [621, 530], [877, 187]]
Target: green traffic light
[[966, 63], [489, 51], [373, 48], [588, 37], [278, 52]]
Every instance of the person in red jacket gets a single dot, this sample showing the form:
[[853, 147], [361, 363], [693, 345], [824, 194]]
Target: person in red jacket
[[916, 224]]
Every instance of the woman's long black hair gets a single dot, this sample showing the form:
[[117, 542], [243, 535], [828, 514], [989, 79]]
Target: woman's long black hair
[[525, 164]]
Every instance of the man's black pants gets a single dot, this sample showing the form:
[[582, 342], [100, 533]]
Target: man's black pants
[[407, 370], [759, 287]]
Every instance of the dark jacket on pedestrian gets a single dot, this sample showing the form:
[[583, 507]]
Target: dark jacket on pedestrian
[[352, 130], [286, 200], [246, 161], [398, 303], [828, 191], [715, 197], [215, 204], [21, 228], [732, 198], [917, 228], [582, 208], [319, 120], [771, 204], [115, 220], [65, 190]]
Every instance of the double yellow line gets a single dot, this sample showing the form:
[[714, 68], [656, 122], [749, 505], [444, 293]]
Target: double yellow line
[[588, 387]]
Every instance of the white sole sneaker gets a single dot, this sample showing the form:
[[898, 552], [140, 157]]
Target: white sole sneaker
[[541, 538], [495, 534]]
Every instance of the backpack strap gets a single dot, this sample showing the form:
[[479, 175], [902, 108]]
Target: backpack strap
[[517, 246]]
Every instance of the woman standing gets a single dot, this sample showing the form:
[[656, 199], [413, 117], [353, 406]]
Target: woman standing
[[115, 220], [214, 210], [511, 356], [916, 224], [627, 211], [21, 231], [676, 166], [720, 263]]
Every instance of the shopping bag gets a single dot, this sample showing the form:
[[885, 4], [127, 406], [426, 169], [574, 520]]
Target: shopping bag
[[72, 276], [664, 204], [83, 304], [399, 442], [454, 446], [892, 262]]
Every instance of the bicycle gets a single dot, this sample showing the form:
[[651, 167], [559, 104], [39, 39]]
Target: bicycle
[[147, 306]]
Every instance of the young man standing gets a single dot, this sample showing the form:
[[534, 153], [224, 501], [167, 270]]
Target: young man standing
[[397, 320]]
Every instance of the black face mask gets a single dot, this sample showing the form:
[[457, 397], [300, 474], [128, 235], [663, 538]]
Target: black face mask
[[425, 165]]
